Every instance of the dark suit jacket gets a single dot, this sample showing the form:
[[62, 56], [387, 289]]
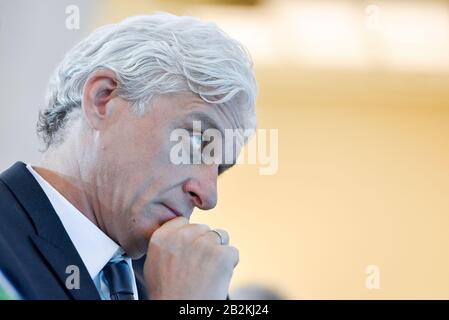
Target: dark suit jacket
[[35, 249]]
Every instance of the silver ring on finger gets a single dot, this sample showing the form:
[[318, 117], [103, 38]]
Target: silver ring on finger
[[219, 235]]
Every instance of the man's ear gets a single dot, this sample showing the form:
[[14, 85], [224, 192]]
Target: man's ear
[[99, 91]]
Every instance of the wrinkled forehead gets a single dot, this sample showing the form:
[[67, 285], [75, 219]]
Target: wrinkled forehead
[[231, 115]]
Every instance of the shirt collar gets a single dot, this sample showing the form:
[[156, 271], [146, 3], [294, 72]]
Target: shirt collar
[[93, 245]]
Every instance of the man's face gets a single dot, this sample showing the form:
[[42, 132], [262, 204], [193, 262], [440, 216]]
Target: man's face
[[137, 187]]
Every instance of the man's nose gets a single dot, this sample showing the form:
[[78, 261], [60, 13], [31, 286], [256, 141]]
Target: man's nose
[[202, 189]]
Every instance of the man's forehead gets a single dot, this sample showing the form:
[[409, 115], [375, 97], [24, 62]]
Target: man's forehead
[[221, 116]]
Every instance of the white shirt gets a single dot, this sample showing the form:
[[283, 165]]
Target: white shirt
[[95, 248]]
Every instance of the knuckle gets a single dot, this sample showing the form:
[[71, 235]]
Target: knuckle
[[204, 227], [183, 235], [207, 246], [188, 232], [230, 257], [200, 227], [224, 232], [224, 235], [223, 256], [235, 254], [206, 242]]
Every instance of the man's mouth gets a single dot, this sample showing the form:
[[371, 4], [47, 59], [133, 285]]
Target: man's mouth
[[173, 210]]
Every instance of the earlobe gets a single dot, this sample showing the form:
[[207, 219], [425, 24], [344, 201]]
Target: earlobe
[[99, 91]]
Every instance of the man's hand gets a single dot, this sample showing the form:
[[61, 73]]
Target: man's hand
[[187, 261]]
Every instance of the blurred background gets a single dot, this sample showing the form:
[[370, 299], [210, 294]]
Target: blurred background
[[359, 93]]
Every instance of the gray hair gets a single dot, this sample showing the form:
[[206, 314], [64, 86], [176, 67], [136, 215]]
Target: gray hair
[[152, 55]]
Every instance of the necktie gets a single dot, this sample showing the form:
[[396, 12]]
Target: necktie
[[119, 278]]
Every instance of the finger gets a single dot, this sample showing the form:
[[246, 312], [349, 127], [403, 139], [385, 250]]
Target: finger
[[218, 236], [229, 257], [173, 225], [235, 255], [192, 231], [176, 222], [165, 230]]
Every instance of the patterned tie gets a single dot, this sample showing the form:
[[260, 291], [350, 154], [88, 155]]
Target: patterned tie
[[119, 278]]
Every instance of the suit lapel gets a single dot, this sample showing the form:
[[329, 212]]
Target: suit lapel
[[67, 264], [50, 239]]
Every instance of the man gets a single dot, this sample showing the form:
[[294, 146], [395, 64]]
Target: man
[[107, 189]]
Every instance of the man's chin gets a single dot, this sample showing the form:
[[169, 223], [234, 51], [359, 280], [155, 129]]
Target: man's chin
[[136, 252], [139, 247]]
